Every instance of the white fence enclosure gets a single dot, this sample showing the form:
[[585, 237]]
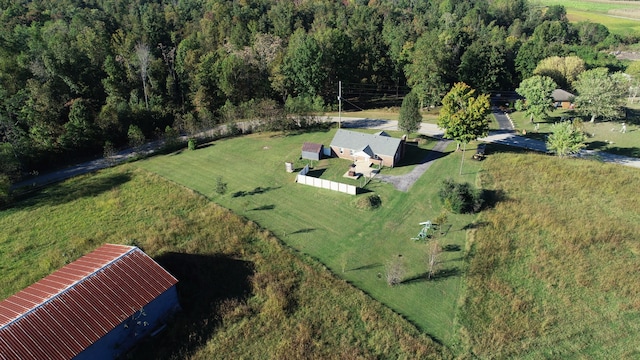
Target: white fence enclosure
[[302, 178]]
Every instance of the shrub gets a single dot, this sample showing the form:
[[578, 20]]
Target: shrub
[[369, 202], [460, 198], [191, 144]]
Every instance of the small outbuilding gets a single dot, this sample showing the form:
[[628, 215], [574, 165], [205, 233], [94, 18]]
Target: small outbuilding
[[312, 151], [97, 307], [562, 99]]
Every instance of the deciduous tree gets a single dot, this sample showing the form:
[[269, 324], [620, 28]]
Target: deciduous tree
[[463, 115], [601, 94], [537, 93]]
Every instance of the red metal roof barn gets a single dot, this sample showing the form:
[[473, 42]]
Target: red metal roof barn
[[96, 307]]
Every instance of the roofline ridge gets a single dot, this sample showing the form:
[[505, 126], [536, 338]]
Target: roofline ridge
[[132, 249]]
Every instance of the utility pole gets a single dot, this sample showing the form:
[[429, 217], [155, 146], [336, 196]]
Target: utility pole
[[339, 104]]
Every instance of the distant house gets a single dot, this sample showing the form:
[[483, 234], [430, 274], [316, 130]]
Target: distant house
[[312, 151], [371, 148], [562, 99], [97, 307]]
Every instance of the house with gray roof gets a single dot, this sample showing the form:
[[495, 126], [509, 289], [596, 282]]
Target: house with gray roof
[[562, 98], [377, 148]]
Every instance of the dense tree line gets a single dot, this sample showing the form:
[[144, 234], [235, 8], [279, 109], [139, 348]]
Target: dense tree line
[[80, 76]]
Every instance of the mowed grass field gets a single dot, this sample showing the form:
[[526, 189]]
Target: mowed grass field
[[553, 266], [355, 244], [243, 294], [620, 17]]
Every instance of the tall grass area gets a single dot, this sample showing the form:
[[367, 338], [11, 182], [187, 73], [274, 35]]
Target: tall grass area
[[356, 244], [553, 266], [243, 294]]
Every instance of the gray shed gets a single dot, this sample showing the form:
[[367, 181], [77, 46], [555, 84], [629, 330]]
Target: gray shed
[[312, 151]]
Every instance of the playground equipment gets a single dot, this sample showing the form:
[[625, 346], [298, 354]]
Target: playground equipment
[[427, 227]]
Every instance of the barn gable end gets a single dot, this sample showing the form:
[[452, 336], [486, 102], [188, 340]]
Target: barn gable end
[[96, 307]]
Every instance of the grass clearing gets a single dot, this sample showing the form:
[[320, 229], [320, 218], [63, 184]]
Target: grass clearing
[[243, 294], [355, 244], [602, 135], [553, 271]]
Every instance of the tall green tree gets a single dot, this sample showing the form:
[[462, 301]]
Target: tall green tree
[[410, 117], [565, 139], [601, 94], [302, 65], [537, 93], [463, 115]]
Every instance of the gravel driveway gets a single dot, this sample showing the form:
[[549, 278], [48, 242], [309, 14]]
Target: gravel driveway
[[404, 182]]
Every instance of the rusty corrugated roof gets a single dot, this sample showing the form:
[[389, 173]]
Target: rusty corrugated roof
[[64, 313], [311, 147]]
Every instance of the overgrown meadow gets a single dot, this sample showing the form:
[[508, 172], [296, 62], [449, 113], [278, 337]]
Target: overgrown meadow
[[553, 266]]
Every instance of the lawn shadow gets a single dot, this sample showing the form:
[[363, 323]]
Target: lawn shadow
[[258, 190], [303, 231], [316, 173], [451, 248], [492, 198], [206, 283], [264, 207], [364, 123], [415, 155], [68, 191], [631, 151], [439, 275], [474, 225], [367, 267]]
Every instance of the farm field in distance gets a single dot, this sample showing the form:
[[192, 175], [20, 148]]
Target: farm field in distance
[[620, 17]]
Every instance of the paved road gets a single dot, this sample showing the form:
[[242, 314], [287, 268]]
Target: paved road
[[503, 136]]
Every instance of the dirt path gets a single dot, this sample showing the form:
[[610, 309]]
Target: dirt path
[[404, 182]]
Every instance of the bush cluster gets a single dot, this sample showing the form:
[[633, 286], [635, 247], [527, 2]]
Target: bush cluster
[[460, 198], [370, 202]]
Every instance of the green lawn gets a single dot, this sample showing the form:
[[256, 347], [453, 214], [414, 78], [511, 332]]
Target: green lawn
[[328, 226], [602, 135]]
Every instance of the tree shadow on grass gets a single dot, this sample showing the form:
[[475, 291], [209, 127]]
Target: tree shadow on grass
[[451, 248], [206, 283], [303, 231], [439, 275], [258, 190], [57, 194], [367, 267], [264, 207]]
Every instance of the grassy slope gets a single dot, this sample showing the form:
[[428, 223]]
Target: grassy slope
[[554, 266], [244, 295], [328, 226]]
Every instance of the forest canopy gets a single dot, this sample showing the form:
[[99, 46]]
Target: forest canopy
[[78, 76]]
